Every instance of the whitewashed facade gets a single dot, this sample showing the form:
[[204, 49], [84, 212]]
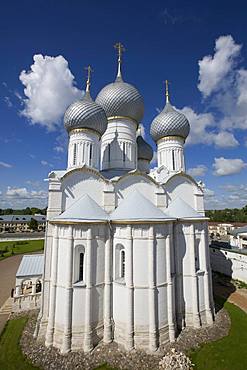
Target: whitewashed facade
[[126, 253]]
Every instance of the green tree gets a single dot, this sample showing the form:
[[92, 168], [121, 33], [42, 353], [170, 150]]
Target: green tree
[[33, 224]]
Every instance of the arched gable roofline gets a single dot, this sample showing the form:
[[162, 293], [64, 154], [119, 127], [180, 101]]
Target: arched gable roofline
[[137, 173], [85, 169], [183, 174]]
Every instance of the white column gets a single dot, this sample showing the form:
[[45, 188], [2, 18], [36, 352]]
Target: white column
[[17, 291], [88, 340], [108, 287], [34, 287], [194, 287], [151, 291], [179, 276], [130, 290], [206, 278], [170, 287], [52, 297], [68, 296]]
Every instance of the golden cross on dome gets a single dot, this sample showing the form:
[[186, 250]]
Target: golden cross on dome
[[120, 49], [167, 91], [89, 71]]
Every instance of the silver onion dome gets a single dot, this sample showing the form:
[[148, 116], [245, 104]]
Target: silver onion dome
[[144, 150], [87, 114], [169, 123], [120, 98]]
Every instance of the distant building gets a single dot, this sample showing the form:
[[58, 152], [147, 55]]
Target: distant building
[[220, 229], [238, 237], [28, 284], [20, 223]]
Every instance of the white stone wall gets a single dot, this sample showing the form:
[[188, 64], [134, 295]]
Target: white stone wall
[[118, 144], [170, 153], [84, 148], [230, 263]]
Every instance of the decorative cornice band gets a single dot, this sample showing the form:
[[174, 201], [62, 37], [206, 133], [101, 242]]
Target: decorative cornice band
[[122, 117], [166, 138], [77, 130]]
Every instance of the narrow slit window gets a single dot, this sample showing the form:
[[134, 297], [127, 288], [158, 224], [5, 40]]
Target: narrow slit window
[[122, 272], [90, 153], [81, 265], [173, 160], [124, 152], [109, 153], [74, 155]]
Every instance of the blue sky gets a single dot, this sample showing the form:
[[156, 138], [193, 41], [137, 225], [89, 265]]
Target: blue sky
[[201, 47]]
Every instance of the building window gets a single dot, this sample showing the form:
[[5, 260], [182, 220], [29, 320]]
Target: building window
[[74, 155], [124, 152], [90, 154], [109, 153], [173, 160], [81, 266], [122, 264]]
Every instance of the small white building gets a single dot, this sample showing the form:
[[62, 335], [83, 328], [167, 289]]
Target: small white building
[[238, 237], [126, 252], [28, 285]]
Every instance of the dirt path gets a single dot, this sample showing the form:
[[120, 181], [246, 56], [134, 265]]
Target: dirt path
[[8, 268], [239, 298]]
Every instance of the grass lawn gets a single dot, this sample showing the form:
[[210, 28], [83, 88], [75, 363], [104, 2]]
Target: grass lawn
[[11, 357], [228, 353], [8, 249]]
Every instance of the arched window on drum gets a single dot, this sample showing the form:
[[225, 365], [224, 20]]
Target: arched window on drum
[[120, 263], [79, 264]]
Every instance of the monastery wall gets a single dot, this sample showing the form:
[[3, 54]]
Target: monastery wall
[[230, 263]]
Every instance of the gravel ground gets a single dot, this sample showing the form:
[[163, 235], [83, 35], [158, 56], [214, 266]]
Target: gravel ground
[[50, 358]]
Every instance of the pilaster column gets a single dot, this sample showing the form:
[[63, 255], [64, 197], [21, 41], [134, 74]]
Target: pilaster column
[[206, 278], [170, 288], [151, 291], [108, 287], [52, 296], [130, 290], [179, 276], [88, 340], [17, 291], [195, 303], [68, 297], [34, 288]]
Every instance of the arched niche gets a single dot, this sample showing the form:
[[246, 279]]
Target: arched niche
[[185, 187], [82, 181], [144, 184]]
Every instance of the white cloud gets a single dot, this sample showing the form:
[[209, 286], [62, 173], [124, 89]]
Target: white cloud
[[203, 130], [6, 165], [214, 69], [23, 193], [225, 139], [49, 89], [58, 149], [223, 166], [16, 198], [45, 163], [198, 171], [8, 101]]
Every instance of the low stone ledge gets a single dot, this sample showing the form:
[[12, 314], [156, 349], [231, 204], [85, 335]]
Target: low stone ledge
[[50, 358]]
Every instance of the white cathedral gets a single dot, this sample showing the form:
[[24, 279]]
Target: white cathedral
[[126, 250]]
